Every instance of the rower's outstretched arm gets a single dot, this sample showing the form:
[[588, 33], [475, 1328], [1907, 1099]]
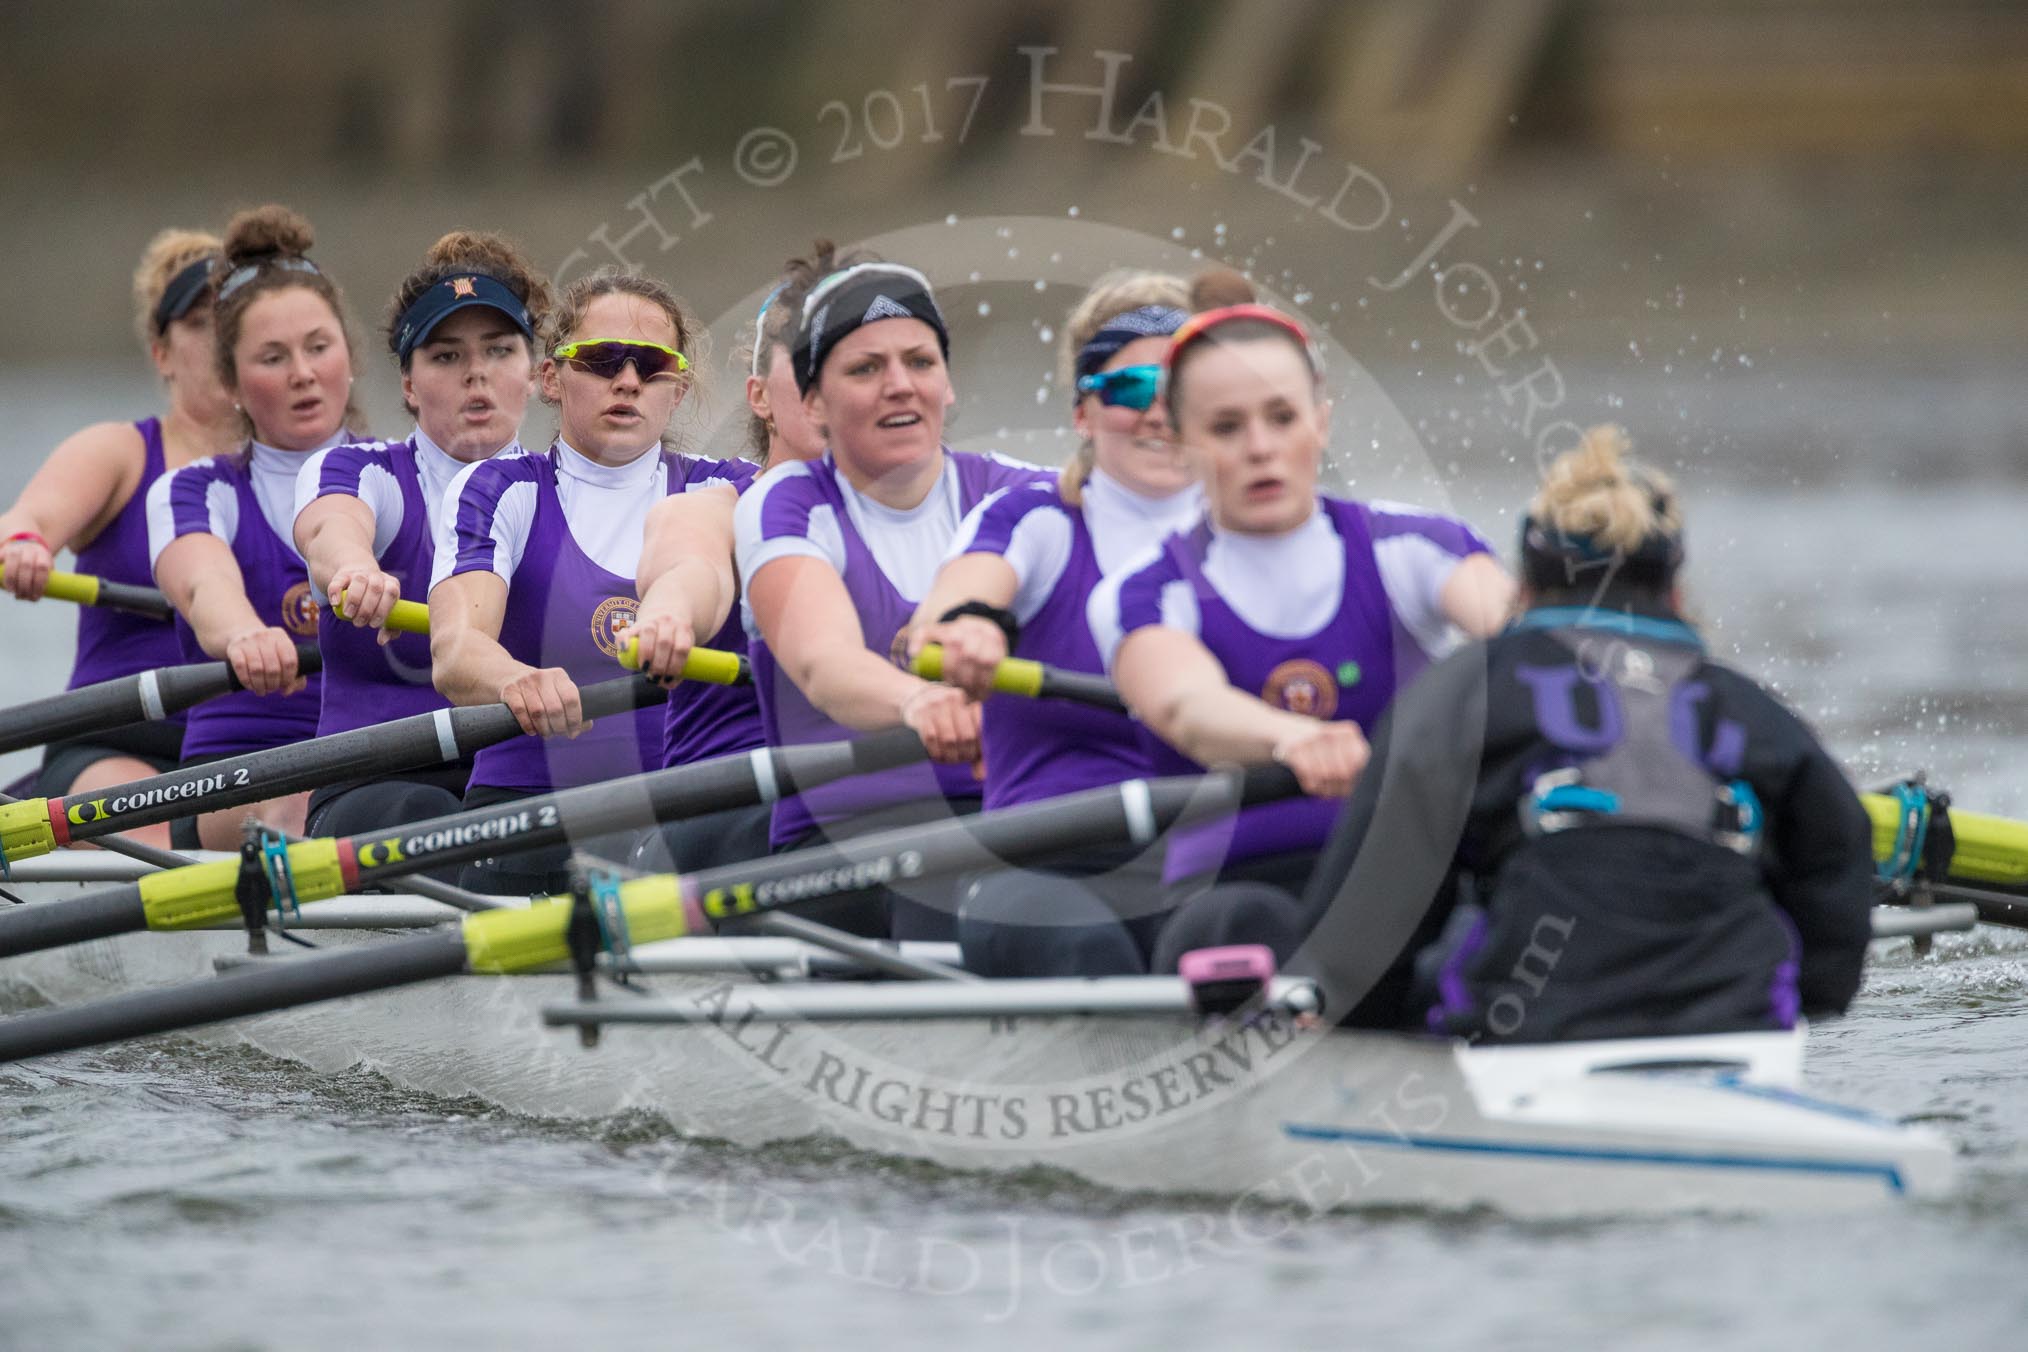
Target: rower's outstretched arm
[[1478, 596], [202, 579], [468, 665], [811, 626], [973, 646], [686, 579], [334, 534], [1172, 683], [67, 503]]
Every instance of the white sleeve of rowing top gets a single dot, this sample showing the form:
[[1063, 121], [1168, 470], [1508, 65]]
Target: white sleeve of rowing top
[[371, 482], [507, 520], [1036, 546], [173, 513], [1118, 605], [780, 518]]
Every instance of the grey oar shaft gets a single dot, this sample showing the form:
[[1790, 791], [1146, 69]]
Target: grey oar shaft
[[364, 753], [127, 700], [237, 994]]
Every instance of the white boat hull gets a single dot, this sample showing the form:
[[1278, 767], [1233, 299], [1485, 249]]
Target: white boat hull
[[1267, 1113]]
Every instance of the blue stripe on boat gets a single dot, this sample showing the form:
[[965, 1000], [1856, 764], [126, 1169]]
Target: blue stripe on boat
[[1887, 1173]]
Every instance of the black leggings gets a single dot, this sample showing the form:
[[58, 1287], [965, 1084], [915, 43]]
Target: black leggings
[[1093, 914], [359, 806]]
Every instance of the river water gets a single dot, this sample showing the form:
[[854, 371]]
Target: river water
[[176, 1195]]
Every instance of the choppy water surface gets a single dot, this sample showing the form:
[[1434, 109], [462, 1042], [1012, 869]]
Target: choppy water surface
[[173, 1195]]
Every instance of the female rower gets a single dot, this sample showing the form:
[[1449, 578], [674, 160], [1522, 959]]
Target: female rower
[[91, 496], [1585, 827], [689, 587], [535, 567], [835, 553], [218, 529], [462, 329], [1282, 624], [1024, 565]]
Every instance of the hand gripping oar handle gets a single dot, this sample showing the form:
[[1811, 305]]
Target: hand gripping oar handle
[[201, 894], [704, 664], [86, 590], [407, 617], [39, 825], [1020, 676], [126, 700], [661, 907]]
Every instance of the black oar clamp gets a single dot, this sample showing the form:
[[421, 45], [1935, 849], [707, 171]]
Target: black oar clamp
[[596, 923], [252, 891]]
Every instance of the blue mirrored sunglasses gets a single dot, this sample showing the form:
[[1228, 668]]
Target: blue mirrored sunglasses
[[1125, 387]]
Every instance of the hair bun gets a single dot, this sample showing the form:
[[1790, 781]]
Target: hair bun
[[266, 232], [1215, 288]]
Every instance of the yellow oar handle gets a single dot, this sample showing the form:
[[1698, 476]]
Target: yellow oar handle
[[709, 665], [1987, 849], [81, 588], [1014, 675], [407, 617]]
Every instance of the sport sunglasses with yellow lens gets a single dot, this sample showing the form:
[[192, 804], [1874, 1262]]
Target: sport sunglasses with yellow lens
[[607, 357], [1125, 386]]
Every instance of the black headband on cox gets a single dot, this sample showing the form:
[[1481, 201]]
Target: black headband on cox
[[1552, 558], [849, 300], [183, 292], [441, 300]]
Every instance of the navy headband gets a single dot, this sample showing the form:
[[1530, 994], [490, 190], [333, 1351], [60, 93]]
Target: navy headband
[[1150, 321], [854, 298], [441, 300], [183, 292]]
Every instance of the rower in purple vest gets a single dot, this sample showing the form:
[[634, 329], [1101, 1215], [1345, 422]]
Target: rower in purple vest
[[689, 586], [536, 561], [834, 555], [1282, 624], [1024, 565], [462, 328], [218, 529], [91, 497]]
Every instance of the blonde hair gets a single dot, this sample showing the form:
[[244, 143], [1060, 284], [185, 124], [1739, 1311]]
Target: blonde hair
[[167, 254], [1596, 490], [1110, 296]]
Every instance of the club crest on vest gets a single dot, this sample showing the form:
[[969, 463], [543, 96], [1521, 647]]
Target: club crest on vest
[[610, 613], [1302, 687], [299, 611]]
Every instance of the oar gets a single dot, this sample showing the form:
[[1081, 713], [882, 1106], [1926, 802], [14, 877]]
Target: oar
[[125, 700], [1036, 680], [407, 617], [39, 825], [1989, 850], [87, 590], [703, 664], [204, 893], [665, 906]]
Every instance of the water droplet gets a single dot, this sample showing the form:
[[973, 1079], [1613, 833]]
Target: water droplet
[[974, 277], [1041, 285], [984, 308], [1073, 211], [1048, 335], [1176, 233], [951, 219]]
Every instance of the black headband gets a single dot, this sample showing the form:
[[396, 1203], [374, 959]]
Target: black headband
[[441, 300], [183, 292], [1556, 560], [854, 298]]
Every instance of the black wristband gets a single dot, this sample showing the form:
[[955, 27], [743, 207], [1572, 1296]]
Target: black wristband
[[1009, 626]]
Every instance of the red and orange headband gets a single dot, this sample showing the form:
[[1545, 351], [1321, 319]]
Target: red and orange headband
[[1204, 321]]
